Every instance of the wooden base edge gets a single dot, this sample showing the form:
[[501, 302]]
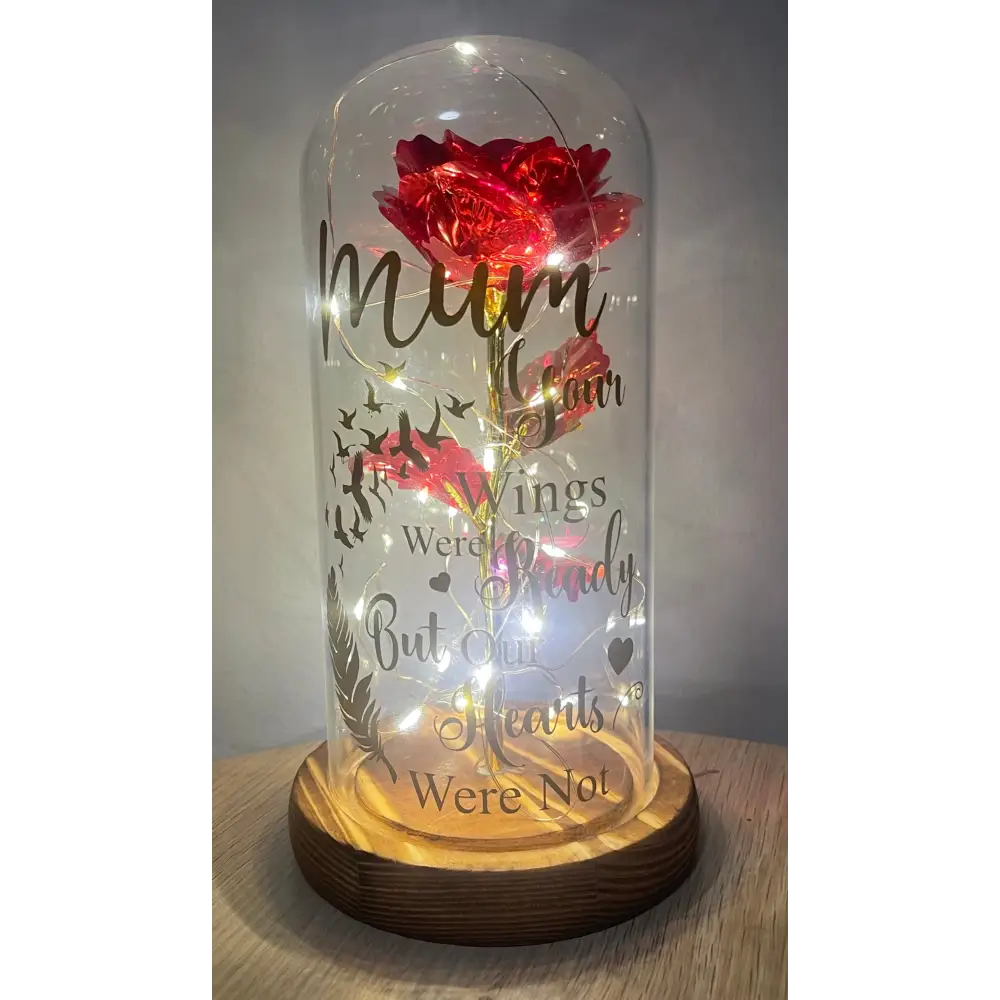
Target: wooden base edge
[[549, 894]]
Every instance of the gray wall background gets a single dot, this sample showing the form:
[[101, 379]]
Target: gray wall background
[[710, 79]]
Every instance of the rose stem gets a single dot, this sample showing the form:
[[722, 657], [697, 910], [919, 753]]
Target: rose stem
[[495, 435]]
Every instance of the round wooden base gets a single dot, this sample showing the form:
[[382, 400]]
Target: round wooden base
[[437, 892]]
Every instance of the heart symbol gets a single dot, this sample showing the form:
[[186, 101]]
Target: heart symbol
[[442, 582], [620, 654]]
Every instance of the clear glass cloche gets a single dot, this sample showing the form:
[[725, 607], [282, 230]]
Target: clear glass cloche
[[476, 221]]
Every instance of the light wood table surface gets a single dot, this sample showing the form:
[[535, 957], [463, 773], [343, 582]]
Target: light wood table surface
[[723, 934]]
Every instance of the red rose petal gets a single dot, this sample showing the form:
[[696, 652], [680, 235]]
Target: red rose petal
[[575, 223], [526, 151], [407, 218], [579, 358], [419, 154], [590, 163], [500, 150], [505, 203], [443, 466]]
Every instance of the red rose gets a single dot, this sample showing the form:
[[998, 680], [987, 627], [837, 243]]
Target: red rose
[[507, 202], [580, 359], [440, 472]]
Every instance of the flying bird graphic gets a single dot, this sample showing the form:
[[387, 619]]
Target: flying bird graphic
[[406, 446], [340, 534], [356, 488], [456, 407], [359, 535], [374, 444], [342, 452], [390, 374], [346, 418], [373, 489], [370, 405], [430, 437]]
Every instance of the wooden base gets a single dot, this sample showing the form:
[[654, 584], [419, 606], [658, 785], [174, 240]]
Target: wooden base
[[434, 891]]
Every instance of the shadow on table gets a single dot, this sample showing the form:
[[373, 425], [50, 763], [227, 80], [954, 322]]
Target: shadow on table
[[275, 902]]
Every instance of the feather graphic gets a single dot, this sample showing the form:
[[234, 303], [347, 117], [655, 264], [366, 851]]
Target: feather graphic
[[356, 703]]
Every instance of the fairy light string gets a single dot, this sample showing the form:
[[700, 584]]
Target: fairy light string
[[503, 443]]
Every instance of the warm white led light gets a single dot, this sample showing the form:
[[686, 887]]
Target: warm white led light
[[359, 609], [555, 259], [530, 622], [411, 720], [553, 550], [422, 495], [465, 48]]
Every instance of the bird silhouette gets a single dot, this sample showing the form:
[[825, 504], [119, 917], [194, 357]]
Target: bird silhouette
[[390, 374], [373, 489], [346, 418], [359, 535], [326, 515], [403, 474], [456, 407], [341, 567], [356, 489], [340, 534], [406, 445], [333, 469], [374, 444], [370, 405], [342, 452], [430, 437]]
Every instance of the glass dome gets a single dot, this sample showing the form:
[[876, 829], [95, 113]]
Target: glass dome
[[476, 220]]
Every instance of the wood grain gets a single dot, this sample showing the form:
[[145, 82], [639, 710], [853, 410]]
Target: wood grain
[[721, 936], [433, 888]]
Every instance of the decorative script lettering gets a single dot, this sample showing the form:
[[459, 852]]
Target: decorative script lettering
[[515, 311]]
